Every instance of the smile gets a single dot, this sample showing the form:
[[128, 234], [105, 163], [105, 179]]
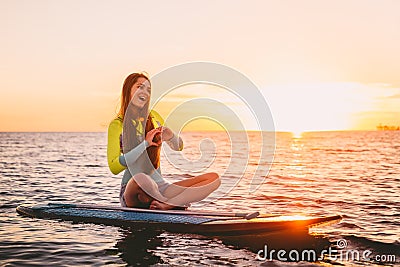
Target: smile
[[142, 98]]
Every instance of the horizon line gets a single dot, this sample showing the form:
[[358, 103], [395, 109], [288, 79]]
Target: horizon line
[[277, 131]]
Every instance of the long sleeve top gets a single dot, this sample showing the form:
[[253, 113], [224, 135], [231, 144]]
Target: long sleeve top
[[118, 161]]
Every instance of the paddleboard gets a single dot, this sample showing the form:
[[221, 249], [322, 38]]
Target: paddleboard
[[206, 223]]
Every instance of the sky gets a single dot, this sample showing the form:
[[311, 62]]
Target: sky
[[320, 65]]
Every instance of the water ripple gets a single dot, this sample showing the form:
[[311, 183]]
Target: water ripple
[[355, 174]]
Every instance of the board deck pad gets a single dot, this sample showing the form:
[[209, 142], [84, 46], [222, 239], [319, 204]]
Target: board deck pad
[[123, 215], [184, 223]]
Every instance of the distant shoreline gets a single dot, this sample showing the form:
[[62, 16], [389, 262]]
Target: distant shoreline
[[381, 127]]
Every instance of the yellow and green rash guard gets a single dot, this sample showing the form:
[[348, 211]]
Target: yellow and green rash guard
[[117, 161]]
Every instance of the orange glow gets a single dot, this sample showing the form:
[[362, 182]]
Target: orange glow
[[299, 108], [64, 69]]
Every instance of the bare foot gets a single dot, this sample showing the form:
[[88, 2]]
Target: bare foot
[[157, 205]]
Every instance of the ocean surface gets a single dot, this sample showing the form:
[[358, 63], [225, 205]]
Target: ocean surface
[[354, 174]]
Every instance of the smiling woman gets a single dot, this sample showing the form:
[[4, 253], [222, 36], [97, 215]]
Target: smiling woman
[[134, 143], [141, 96]]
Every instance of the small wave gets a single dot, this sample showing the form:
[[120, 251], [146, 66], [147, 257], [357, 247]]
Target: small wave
[[339, 150], [273, 197], [291, 178], [11, 175], [56, 160], [37, 253], [92, 166], [7, 206], [318, 201], [379, 207], [377, 246], [350, 225], [389, 222], [339, 203]]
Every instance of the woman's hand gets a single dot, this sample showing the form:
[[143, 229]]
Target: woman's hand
[[150, 137], [167, 134]]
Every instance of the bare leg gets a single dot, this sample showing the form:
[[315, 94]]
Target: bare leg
[[188, 191], [134, 196]]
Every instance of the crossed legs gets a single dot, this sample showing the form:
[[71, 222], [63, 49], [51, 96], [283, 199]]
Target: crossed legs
[[177, 194]]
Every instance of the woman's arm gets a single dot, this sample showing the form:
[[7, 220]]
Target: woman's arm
[[175, 143], [131, 156], [117, 161], [129, 159], [113, 147]]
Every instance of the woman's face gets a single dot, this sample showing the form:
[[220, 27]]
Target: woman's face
[[140, 92]]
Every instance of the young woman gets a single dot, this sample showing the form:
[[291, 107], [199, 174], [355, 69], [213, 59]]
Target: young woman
[[135, 138]]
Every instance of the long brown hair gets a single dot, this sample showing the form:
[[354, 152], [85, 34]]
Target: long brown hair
[[131, 115], [126, 91]]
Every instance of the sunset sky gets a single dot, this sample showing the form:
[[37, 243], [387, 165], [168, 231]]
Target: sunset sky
[[321, 65]]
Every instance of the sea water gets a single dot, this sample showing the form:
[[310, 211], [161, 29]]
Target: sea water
[[354, 174]]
